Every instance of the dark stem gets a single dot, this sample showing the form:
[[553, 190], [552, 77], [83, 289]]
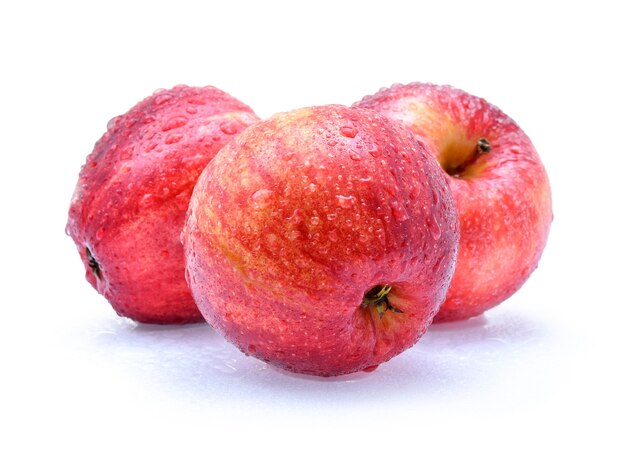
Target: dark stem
[[377, 298], [483, 146], [93, 264]]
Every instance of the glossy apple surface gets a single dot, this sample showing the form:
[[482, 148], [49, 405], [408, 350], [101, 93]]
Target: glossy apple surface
[[499, 184], [129, 205], [321, 240]]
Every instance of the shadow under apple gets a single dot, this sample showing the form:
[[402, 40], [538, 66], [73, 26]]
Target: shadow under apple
[[194, 361]]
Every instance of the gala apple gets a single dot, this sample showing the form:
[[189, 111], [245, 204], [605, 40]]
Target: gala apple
[[321, 240], [499, 184], [128, 209]]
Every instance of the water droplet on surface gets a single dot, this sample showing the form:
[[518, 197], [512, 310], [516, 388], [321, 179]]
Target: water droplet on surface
[[100, 233], [173, 138], [331, 216], [374, 150], [310, 189], [345, 202], [162, 99], [164, 254], [315, 220], [174, 122], [296, 217], [126, 153], [348, 131], [332, 143], [355, 156], [370, 368], [261, 198], [399, 212], [191, 110], [228, 127], [113, 122], [433, 226]]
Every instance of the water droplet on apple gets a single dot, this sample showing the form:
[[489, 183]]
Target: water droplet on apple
[[433, 226], [191, 110], [173, 138], [345, 202], [261, 198], [165, 253], [228, 127], [332, 143], [348, 131], [315, 220], [174, 122], [398, 210], [355, 156], [310, 189], [331, 216], [162, 99], [113, 122], [296, 217], [370, 368]]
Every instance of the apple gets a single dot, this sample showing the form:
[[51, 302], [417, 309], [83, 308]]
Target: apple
[[130, 202], [499, 184], [321, 240]]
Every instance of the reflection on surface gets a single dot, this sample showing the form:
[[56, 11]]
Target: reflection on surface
[[196, 360]]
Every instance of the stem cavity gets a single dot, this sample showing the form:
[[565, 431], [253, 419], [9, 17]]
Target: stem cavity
[[377, 297]]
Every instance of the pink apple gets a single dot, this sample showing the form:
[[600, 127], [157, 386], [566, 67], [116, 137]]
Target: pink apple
[[129, 206], [321, 240], [499, 184]]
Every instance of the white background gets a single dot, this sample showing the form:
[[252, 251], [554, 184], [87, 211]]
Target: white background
[[539, 377]]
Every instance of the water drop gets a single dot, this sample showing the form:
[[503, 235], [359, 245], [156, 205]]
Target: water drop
[[310, 189], [162, 99], [174, 122], [173, 138], [113, 122], [345, 202], [100, 233], [399, 212], [355, 156], [261, 198], [191, 110], [164, 254], [374, 150], [228, 127], [332, 143], [348, 131], [433, 226], [126, 153], [331, 216], [315, 220], [296, 217]]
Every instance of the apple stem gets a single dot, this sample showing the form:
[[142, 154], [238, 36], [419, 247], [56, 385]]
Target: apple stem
[[93, 263], [377, 297], [483, 146]]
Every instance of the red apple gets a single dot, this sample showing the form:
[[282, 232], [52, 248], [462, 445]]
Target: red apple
[[129, 206], [499, 184], [321, 240]]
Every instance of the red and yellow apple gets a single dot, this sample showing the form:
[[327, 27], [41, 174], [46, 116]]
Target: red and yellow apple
[[499, 184], [129, 206], [321, 240]]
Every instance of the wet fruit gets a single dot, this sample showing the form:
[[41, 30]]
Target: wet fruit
[[499, 184], [322, 240], [128, 209]]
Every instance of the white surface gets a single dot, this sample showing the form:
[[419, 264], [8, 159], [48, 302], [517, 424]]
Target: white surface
[[538, 377]]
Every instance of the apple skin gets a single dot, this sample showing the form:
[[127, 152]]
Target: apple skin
[[130, 202], [503, 196], [302, 215]]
